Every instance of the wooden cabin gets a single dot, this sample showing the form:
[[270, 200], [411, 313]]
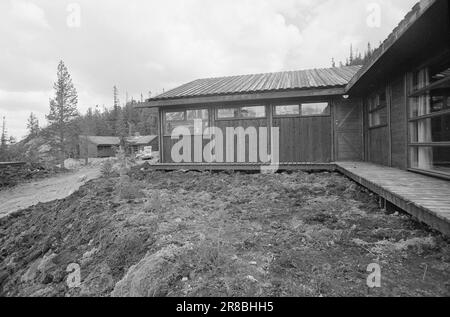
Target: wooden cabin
[[138, 143], [394, 111], [98, 146], [308, 107]]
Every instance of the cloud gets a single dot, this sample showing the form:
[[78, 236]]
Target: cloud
[[29, 14], [143, 46]]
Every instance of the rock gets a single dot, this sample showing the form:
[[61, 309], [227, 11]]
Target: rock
[[252, 279], [46, 279], [149, 278], [31, 273], [99, 282], [87, 256], [46, 264], [42, 265], [82, 179]]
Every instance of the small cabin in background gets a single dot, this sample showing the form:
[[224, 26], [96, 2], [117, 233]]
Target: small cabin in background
[[107, 146], [98, 146], [138, 143]]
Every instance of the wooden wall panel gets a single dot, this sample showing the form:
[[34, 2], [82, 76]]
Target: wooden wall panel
[[256, 123], [304, 139], [168, 143], [378, 147], [398, 124]]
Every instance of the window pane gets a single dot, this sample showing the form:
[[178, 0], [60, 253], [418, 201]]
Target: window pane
[[290, 110], [197, 114], [378, 117], [375, 119], [253, 112], [431, 130], [172, 125], [175, 116], [426, 104], [437, 103], [227, 113], [420, 80], [192, 116], [314, 109], [177, 119], [431, 158]]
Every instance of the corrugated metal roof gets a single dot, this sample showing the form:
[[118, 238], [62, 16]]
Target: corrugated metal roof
[[141, 140], [114, 140], [104, 140], [281, 81]]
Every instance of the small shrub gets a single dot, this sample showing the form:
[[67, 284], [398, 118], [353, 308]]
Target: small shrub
[[106, 169]]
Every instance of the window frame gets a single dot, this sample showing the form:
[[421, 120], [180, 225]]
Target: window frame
[[378, 109], [425, 91], [184, 111], [300, 115], [239, 117]]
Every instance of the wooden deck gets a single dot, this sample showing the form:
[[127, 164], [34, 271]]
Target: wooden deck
[[424, 197]]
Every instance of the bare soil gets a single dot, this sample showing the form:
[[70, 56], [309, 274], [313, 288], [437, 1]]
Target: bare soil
[[202, 234], [44, 190]]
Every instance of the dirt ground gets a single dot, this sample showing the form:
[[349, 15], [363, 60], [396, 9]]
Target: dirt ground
[[202, 234], [44, 190]]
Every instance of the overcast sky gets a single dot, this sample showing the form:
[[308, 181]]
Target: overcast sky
[[142, 45]]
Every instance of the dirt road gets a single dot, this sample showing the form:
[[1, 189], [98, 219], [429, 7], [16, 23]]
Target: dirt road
[[58, 187]]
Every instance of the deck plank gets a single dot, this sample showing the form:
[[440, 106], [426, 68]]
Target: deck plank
[[426, 198]]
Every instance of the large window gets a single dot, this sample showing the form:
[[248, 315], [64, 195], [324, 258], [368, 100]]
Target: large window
[[304, 109], [187, 119], [377, 110], [429, 119], [251, 112]]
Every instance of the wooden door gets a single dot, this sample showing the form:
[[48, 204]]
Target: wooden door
[[348, 130]]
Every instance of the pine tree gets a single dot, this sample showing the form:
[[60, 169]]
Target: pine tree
[[63, 109], [121, 124], [33, 125], [116, 100], [350, 61], [4, 142], [333, 62], [4, 137], [369, 51]]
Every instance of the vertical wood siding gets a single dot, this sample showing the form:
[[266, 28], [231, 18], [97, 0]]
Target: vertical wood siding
[[348, 127], [398, 124]]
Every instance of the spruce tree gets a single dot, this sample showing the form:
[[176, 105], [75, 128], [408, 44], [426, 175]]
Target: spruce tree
[[63, 109], [33, 125]]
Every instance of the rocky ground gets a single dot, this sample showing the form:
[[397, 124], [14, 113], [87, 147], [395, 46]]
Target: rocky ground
[[201, 234]]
